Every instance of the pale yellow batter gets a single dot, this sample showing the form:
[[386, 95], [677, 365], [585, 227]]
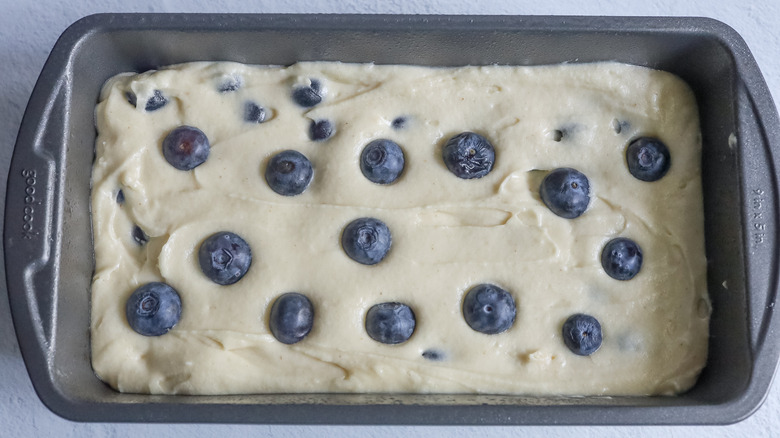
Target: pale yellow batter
[[449, 234]]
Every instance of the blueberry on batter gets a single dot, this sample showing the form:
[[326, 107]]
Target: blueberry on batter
[[469, 155], [648, 159], [489, 309], [566, 192], [224, 257], [390, 323], [292, 317], [366, 240], [153, 309], [120, 197], [289, 173], [156, 102], [186, 147], [254, 113], [308, 97], [382, 161], [621, 258], [582, 334], [321, 130], [139, 236]]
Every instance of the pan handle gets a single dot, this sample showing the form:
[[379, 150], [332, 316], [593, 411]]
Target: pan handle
[[758, 137], [758, 124], [32, 233]]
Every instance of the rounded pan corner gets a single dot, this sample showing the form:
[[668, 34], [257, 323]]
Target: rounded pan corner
[[715, 27], [88, 23], [78, 30], [58, 404], [725, 35], [72, 406], [45, 387], [745, 406]]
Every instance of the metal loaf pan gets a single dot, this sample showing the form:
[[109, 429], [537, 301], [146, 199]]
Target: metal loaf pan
[[48, 245]]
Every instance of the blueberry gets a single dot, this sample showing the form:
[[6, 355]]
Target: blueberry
[[390, 323], [292, 317], [131, 98], [289, 173], [224, 257], [566, 192], [186, 147], [366, 240], [621, 258], [648, 159], [139, 236], [120, 197], [469, 155], [309, 96], [434, 355], [582, 334], [153, 309], [398, 122], [382, 161], [620, 125], [254, 113], [489, 309], [156, 102], [232, 83], [566, 132], [320, 130]]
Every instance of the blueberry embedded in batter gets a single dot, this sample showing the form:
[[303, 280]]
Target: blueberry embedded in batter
[[157, 101], [231, 83], [131, 98], [321, 130], [139, 235], [308, 96], [434, 355], [399, 122], [620, 126], [254, 113]]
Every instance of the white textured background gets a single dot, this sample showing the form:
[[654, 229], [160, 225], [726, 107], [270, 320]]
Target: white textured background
[[28, 31]]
